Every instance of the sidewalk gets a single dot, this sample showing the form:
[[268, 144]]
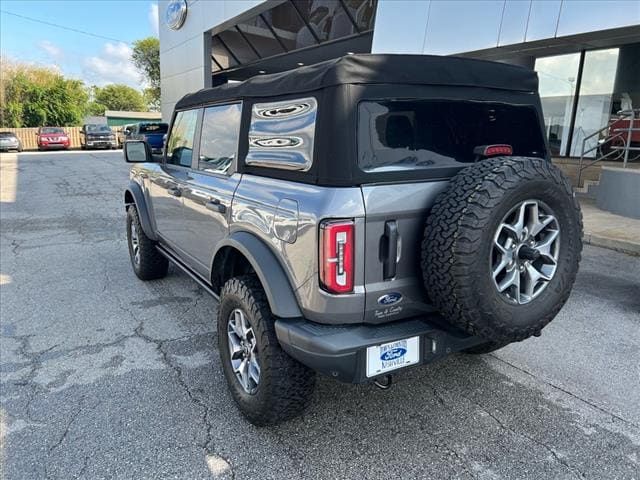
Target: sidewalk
[[605, 229]]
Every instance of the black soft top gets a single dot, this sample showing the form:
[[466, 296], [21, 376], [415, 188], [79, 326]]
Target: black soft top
[[374, 69]]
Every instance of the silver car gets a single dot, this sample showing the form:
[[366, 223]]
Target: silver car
[[9, 141], [358, 217]]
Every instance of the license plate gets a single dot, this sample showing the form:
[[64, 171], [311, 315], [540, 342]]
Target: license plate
[[393, 355]]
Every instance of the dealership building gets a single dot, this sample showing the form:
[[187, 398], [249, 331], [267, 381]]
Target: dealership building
[[586, 53]]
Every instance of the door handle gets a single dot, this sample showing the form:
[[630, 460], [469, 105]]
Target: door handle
[[215, 206], [174, 191]]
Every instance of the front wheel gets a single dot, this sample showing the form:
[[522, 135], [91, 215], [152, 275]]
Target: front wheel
[[267, 384], [147, 262]]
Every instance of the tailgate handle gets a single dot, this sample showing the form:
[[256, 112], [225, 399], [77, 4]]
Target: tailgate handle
[[390, 254]]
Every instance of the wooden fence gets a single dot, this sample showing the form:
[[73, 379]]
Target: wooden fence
[[30, 142]]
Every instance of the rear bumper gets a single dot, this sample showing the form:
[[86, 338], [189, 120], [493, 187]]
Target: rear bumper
[[340, 351]]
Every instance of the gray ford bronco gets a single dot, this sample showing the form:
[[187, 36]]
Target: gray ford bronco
[[358, 217]]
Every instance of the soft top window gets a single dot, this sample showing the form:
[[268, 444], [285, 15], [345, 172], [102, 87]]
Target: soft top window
[[154, 128], [281, 134], [396, 135]]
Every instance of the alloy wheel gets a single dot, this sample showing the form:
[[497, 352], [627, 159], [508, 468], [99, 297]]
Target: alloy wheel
[[524, 257], [243, 351]]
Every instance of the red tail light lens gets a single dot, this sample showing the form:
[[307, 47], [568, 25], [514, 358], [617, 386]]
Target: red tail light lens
[[336, 255], [493, 150]]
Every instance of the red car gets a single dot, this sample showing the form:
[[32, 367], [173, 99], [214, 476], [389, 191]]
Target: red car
[[52, 137]]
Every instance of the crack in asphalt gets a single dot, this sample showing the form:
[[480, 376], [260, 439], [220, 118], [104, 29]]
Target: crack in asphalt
[[72, 419], [574, 470], [207, 445], [567, 392]]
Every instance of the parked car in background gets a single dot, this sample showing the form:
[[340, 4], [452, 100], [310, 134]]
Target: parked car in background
[[97, 136], [122, 134], [9, 141], [151, 132], [52, 137]]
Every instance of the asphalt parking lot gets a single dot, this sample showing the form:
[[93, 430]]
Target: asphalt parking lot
[[104, 376]]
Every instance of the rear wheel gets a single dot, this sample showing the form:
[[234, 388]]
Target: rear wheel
[[267, 384], [501, 248]]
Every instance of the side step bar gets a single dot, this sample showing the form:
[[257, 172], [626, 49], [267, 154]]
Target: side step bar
[[173, 259]]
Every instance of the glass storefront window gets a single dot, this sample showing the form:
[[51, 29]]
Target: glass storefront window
[[289, 26], [558, 76], [594, 100], [235, 42], [221, 54], [260, 36]]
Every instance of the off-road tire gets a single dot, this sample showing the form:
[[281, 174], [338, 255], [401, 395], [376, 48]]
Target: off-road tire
[[152, 264], [286, 386], [459, 236]]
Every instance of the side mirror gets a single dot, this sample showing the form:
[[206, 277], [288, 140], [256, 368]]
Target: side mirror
[[137, 151]]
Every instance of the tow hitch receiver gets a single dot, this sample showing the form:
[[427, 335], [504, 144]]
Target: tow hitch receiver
[[383, 383]]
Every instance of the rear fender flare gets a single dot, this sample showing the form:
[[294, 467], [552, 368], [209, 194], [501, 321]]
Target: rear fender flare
[[134, 191], [277, 286]]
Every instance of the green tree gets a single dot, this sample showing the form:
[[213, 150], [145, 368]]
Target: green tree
[[118, 97], [33, 96], [146, 58]]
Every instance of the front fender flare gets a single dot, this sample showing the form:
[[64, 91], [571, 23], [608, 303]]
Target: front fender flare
[[141, 206], [277, 287]]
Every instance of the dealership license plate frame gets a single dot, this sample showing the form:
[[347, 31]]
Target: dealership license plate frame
[[376, 366]]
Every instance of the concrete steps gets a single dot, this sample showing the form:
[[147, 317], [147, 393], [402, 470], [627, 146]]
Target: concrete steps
[[588, 189], [571, 167]]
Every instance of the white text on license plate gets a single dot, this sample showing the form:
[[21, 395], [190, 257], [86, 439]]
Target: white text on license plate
[[393, 355]]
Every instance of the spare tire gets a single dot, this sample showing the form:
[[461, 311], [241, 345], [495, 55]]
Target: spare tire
[[502, 246]]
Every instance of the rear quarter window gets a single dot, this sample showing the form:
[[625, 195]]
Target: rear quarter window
[[397, 135], [282, 134]]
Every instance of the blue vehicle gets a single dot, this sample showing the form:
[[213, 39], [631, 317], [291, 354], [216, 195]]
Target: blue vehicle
[[154, 133]]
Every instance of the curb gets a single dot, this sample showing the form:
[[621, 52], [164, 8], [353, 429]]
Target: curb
[[623, 246]]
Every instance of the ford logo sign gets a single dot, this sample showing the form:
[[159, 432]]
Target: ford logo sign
[[393, 354], [390, 299], [176, 14]]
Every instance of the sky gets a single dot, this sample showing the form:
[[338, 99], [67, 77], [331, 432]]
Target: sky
[[96, 61]]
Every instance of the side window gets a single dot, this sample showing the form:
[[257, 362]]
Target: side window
[[219, 138], [180, 146]]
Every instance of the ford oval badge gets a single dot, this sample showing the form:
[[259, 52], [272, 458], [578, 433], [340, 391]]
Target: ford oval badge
[[176, 14], [390, 299], [393, 354]]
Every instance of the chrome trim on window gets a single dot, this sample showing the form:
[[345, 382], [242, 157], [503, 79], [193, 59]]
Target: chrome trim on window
[[281, 134]]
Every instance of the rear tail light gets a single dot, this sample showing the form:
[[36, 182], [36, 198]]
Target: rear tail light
[[336, 255], [493, 150]]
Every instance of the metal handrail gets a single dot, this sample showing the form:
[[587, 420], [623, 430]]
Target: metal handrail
[[622, 115]]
